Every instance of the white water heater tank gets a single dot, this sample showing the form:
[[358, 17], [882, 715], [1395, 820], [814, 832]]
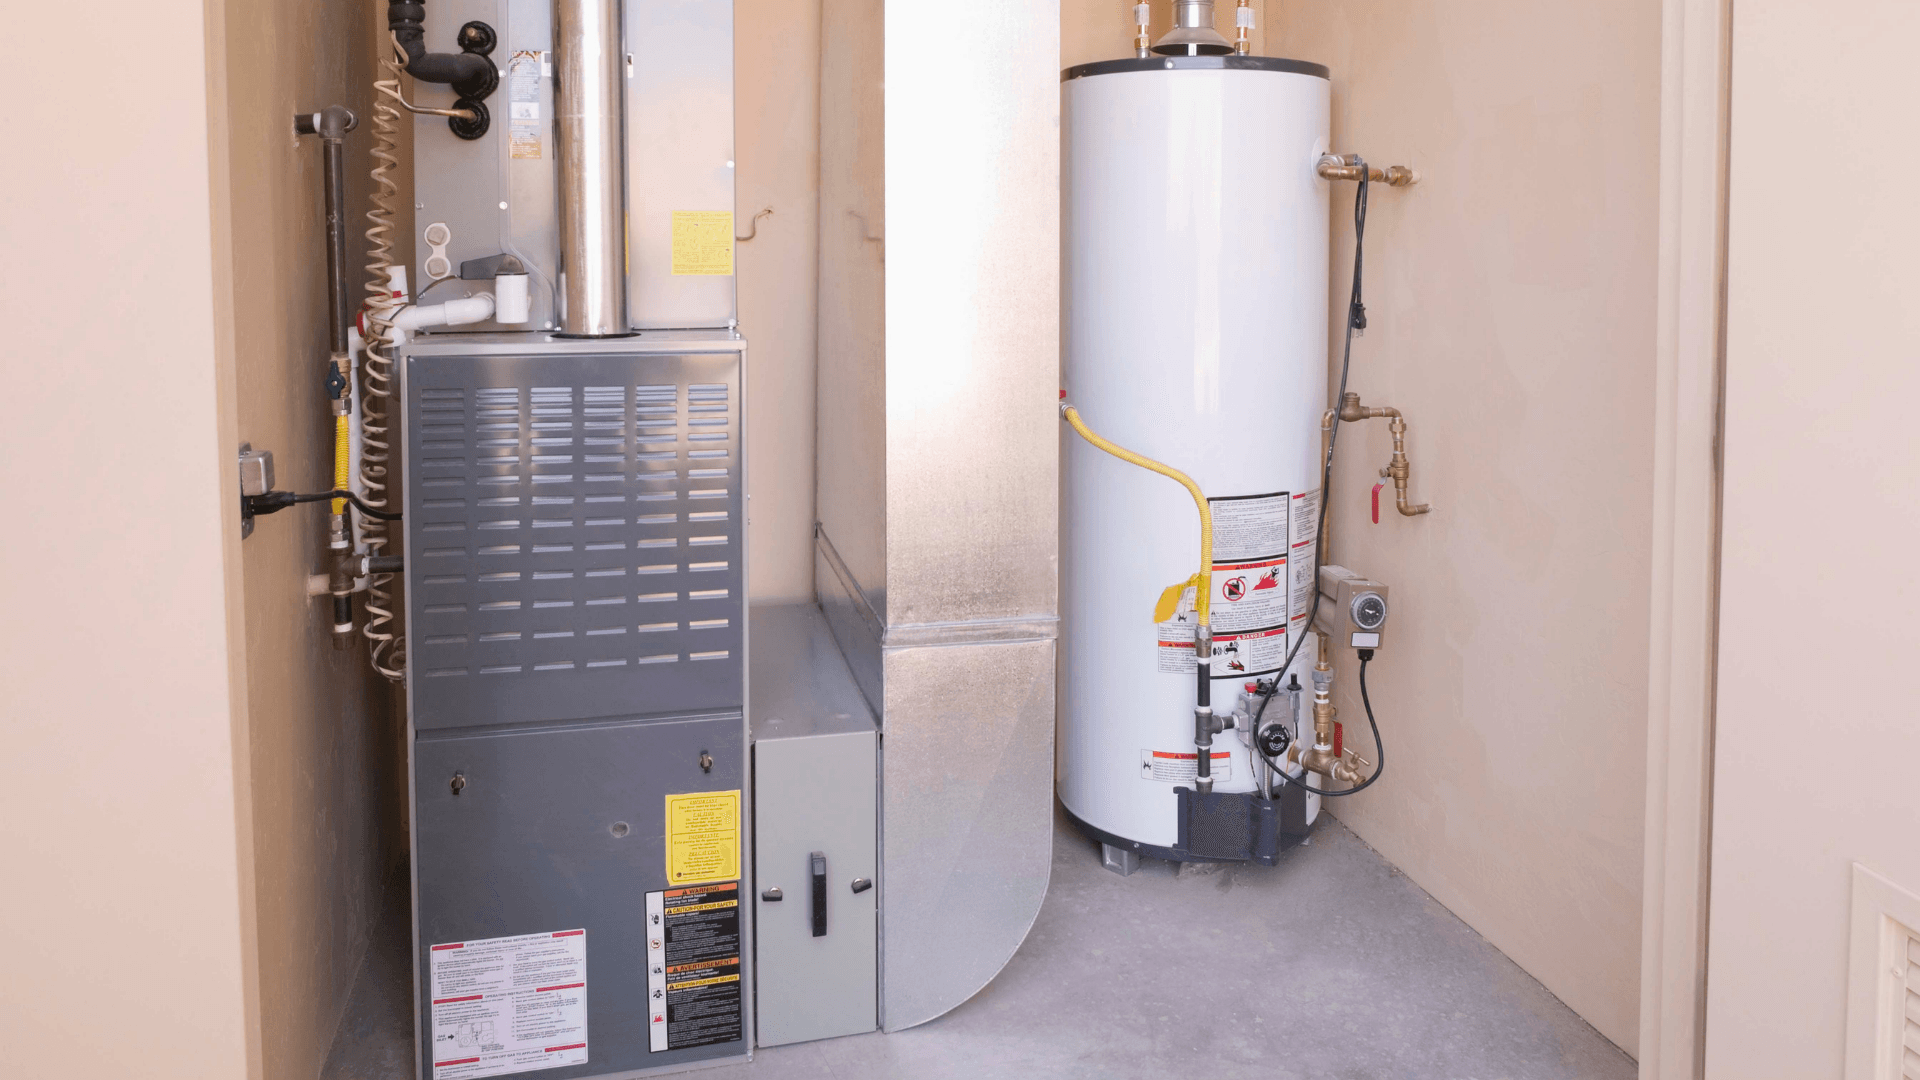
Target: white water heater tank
[[1195, 283]]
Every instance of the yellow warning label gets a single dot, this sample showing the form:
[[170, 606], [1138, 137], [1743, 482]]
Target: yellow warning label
[[703, 242], [703, 837], [690, 983]]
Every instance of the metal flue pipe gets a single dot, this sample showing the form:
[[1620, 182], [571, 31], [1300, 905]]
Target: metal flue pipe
[[590, 102]]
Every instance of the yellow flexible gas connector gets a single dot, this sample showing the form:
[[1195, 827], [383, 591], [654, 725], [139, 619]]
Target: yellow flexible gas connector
[[1203, 583], [342, 479]]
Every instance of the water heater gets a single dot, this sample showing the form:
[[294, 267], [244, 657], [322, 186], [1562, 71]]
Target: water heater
[[1195, 290]]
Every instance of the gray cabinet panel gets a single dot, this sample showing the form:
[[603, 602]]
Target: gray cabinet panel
[[563, 829], [816, 795]]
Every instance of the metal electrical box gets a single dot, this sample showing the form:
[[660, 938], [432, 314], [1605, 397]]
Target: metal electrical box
[[496, 194], [576, 639], [816, 834]]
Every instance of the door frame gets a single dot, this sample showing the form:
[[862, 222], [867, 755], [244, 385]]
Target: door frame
[[1683, 628]]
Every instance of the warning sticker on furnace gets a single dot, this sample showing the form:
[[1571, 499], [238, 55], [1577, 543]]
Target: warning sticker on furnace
[[694, 993], [703, 242], [523, 104], [1173, 767], [509, 1005], [703, 837]]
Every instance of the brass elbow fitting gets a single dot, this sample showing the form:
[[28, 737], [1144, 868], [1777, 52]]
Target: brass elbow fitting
[[1343, 765], [1349, 167], [1399, 468]]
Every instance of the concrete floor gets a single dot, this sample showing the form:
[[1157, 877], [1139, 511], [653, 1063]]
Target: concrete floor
[[1329, 966]]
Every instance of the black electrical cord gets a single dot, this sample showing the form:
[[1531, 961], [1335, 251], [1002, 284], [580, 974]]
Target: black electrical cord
[[1379, 748], [275, 501], [1356, 320]]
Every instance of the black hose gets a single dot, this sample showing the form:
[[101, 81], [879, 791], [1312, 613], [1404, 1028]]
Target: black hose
[[1356, 320], [471, 73], [1379, 748], [275, 501]]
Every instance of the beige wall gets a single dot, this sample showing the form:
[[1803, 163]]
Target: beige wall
[[124, 783], [777, 148], [1511, 303], [1816, 738], [327, 734]]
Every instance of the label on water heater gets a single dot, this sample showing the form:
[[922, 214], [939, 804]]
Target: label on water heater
[[1255, 589], [1306, 521], [509, 1005], [1176, 767]]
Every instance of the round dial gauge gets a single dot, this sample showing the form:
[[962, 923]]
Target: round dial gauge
[[1369, 611]]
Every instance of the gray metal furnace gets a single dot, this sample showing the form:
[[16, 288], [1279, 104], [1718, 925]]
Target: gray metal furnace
[[577, 652], [647, 836]]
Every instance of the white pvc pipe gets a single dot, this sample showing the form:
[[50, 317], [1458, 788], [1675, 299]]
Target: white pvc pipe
[[468, 309]]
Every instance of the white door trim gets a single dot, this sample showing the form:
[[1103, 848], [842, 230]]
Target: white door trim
[[1694, 98]]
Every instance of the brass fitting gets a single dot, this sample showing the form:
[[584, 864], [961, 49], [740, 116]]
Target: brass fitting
[[1337, 167], [1398, 469], [1142, 39], [1243, 27], [1344, 765]]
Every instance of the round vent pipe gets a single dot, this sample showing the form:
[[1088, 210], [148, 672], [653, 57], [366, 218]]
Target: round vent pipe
[[1193, 33], [590, 105]]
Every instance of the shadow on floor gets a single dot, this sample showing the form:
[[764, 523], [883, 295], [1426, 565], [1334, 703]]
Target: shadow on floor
[[1328, 966]]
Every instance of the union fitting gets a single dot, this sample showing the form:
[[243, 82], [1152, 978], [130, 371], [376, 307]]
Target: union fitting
[[1351, 167]]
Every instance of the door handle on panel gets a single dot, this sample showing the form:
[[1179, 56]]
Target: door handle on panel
[[818, 861]]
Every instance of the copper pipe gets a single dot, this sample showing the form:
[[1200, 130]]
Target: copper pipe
[[1142, 39], [1336, 167], [1242, 27], [1398, 469], [1326, 517], [1343, 765]]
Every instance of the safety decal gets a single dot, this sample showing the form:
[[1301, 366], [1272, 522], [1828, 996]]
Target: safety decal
[[508, 1005], [694, 990], [703, 837], [702, 243], [1175, 767], [523, 104]]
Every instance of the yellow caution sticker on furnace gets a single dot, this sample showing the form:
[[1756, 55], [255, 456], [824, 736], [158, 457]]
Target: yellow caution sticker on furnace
[[703, 243], [703, 837]]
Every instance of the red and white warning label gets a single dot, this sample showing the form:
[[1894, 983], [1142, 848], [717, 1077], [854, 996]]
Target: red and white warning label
[[1306, 519], [1256, 589], [1249, 595], [1173, 767], [509, 1005]]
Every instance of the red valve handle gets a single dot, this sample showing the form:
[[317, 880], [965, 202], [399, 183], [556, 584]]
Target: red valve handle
[[1376, 502]]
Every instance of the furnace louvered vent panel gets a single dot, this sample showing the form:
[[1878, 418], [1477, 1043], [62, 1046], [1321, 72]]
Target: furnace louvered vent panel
[[573, 537]]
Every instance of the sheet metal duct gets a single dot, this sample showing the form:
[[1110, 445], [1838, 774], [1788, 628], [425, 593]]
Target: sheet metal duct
[[938, 462]]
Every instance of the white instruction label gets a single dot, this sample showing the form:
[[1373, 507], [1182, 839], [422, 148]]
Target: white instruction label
[[523, 104], [1247, 527], [1174, 767], [509, 1005], [1306, 521]]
